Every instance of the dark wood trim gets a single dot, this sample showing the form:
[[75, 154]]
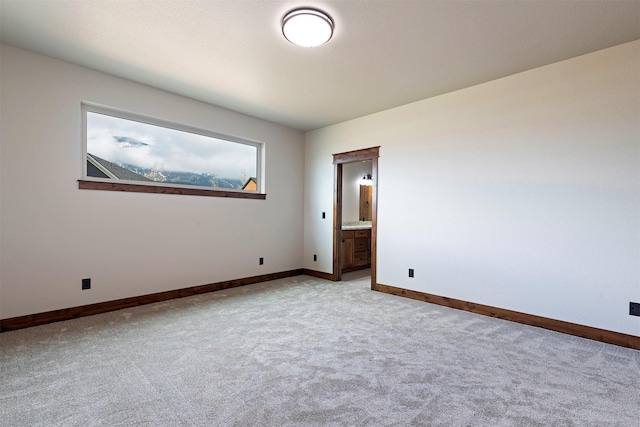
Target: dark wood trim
[[609, 337], [356, 155], [319, 274], [27, 321], [374, 222], [337, 221], [162, 189]]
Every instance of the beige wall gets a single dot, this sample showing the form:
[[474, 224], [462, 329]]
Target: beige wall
[[53, 234], [530, 191], [531, 196]]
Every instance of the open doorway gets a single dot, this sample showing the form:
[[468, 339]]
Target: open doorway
[[368, 196]]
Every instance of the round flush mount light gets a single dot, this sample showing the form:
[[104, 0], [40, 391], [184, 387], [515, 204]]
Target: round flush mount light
[[307, 27]]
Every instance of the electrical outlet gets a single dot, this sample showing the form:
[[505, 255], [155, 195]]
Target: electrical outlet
[[634, 308], [315, 257], [324, 215], [86, 284], [261, 261], [411, 272]]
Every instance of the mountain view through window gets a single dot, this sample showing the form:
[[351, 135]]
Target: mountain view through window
[[124, 149]]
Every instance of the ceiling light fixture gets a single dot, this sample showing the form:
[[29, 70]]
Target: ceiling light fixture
[[307, 27]]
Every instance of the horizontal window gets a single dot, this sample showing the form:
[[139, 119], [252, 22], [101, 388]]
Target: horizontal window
[[125, 152]]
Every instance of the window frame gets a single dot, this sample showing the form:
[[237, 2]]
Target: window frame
[[107, 184]]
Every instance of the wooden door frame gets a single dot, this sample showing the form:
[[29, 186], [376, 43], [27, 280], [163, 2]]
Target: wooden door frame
[[338, 160]]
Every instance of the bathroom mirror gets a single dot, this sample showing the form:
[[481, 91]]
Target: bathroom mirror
[[356, 192]]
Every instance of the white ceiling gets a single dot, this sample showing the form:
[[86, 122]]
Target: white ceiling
[[383, 54]]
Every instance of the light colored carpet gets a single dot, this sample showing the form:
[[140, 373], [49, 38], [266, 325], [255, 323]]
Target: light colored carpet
[[306, 352]]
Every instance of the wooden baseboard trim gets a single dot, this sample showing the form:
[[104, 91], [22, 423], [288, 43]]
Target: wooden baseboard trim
[[609, 337], [27, 321], [319, 274]]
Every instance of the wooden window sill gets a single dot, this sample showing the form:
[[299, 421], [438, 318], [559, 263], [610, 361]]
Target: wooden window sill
[[163, 189]]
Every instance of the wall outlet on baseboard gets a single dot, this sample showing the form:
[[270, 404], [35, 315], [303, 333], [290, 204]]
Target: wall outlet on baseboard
[[261, 261], [411, 272], [324, 215], [86, 284], [634, 308], [315, 257]]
